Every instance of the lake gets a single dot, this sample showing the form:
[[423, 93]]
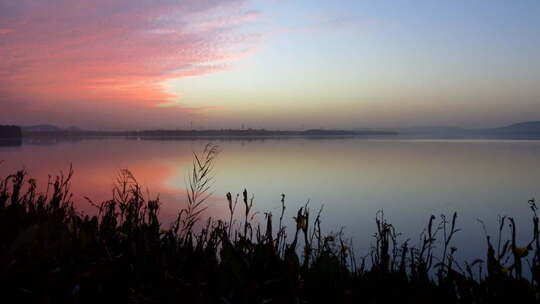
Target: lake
[[353, 178]]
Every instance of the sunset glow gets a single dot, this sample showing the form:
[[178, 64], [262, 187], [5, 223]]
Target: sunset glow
[[273, 64]]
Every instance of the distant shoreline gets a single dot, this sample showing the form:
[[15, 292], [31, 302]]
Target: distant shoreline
[[211, 133], [517, 131]]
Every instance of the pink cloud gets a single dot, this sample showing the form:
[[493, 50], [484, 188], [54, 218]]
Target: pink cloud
[[63, 59]]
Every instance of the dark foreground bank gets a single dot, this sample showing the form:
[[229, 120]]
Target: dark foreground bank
[[49, 253]]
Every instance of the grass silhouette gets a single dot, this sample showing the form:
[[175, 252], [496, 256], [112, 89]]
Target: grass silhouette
[[50, 253]]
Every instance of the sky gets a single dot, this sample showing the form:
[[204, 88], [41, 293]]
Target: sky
[[276, 64]]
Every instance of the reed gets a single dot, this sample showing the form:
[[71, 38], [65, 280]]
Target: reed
[[50, 252]]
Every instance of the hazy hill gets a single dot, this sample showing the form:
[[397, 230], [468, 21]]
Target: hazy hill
[[529, 127], [522, 130]]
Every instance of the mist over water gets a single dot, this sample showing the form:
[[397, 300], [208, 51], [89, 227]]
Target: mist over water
[[352, 178]]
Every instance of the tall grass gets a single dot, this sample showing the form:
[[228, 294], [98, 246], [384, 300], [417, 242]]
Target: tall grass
[[50, 253]]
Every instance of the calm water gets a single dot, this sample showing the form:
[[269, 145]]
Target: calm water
[[352, 178]]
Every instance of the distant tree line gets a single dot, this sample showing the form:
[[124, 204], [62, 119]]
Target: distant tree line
[[10, 132], [212, 133]]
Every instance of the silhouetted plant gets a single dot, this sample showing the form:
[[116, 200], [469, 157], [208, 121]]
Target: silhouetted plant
[[199, 183], [49, 252]]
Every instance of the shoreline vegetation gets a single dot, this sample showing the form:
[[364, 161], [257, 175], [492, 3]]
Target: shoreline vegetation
[[51, 253], [10, 136], [522, 130], [10, 132], [222, 133]]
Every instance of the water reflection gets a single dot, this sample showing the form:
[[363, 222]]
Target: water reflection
[[352, 178], [10, 142]]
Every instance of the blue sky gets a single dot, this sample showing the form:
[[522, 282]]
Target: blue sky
[[289, 64]]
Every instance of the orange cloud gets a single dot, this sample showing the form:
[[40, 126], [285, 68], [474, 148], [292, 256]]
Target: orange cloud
[[62, 58]]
